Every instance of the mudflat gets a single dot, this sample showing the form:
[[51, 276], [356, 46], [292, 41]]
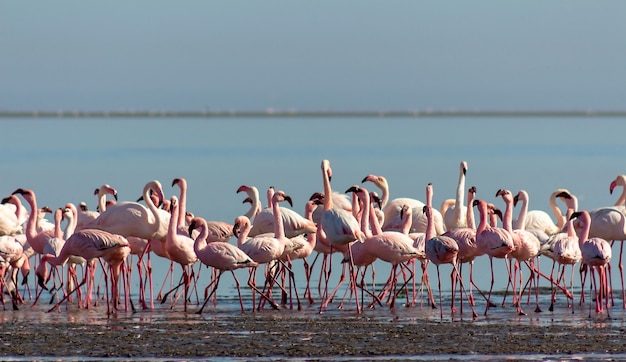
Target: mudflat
[[308, 334]]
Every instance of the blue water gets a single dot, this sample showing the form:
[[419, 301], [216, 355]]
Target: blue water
[[64, 159]]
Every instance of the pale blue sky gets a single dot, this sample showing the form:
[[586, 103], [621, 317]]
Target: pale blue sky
[[322, 55]]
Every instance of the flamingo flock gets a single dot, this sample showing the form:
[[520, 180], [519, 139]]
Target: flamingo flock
[[268, 242]]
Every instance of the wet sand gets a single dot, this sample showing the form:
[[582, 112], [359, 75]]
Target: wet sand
[[223, 331]]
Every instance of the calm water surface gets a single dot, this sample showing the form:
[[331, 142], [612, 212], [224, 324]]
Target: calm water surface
[[63, 160]]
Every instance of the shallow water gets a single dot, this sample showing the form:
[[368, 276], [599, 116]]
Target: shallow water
[[63, 160]]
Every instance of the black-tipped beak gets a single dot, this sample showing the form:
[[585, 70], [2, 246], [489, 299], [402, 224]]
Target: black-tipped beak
[[115, 196], [353, 189], [236, 229], [19, 191], [575, 215], [288, 199], [41, 282], [191, 227], [175, 181]]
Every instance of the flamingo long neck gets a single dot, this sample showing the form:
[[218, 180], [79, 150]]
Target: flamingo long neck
[[328, 200], [308, 214], [279, 229], [255, 206], [369, 221], [31, 225], [172, 228], [622, 197], [243, 234], [560, 221], [460, 197], [356, 208], [384, 197], [584, 231], [182, 202], [507, 222], [270, 196], [520, 222], [407, 222], [200, 243], [469, 217], [569, 226], [102, 199], [154, 222], [430, 225], [58, 232], [71, 224], [482, 212]]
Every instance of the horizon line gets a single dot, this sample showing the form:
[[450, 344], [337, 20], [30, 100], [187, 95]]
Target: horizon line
[[270, 112]]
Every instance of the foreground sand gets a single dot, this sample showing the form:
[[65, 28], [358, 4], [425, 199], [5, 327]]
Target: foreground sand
[[291, 333]]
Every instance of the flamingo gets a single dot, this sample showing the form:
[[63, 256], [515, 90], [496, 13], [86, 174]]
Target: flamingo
[[134, 219], [393, 247], [253, 199], [609, 223], [620, 180], [392, 209], [465, 238], [441, 249], [307, 243], [526, 247], [37, 240], [596, 254], [566, 251], [539, 222], [91, 244], [453, 210], [264, 248], [180, 248], [219, 255], [85, 216], [338, 227], [12, 215], [11, 252], [496, 242], [294, 223]]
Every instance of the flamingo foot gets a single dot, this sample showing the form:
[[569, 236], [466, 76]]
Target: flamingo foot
[[538, 310]]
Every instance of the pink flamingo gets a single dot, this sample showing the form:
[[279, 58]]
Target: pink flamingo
[[393, 247], [609, 223], [294, 223], [134, 219], [566, 251], [338, 227], [465, 238], [253, 199], [11, 252], [180, 249], [37, 240], [86, 216], [307, 243], [91, 244], [219, 255], [262, 249], [391, 209], [526, 247], [596, 254], [539, 222], [419, 242], [11, 216], [441, 250], [496, 242], [265, 248], [453, 210]]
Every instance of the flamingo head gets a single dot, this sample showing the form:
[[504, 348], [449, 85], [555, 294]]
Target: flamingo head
[[280, 196]]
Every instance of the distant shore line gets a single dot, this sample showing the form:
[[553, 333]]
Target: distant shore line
[[303, 114]]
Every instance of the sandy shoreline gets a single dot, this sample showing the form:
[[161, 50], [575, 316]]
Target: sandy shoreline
[[305, 334]]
